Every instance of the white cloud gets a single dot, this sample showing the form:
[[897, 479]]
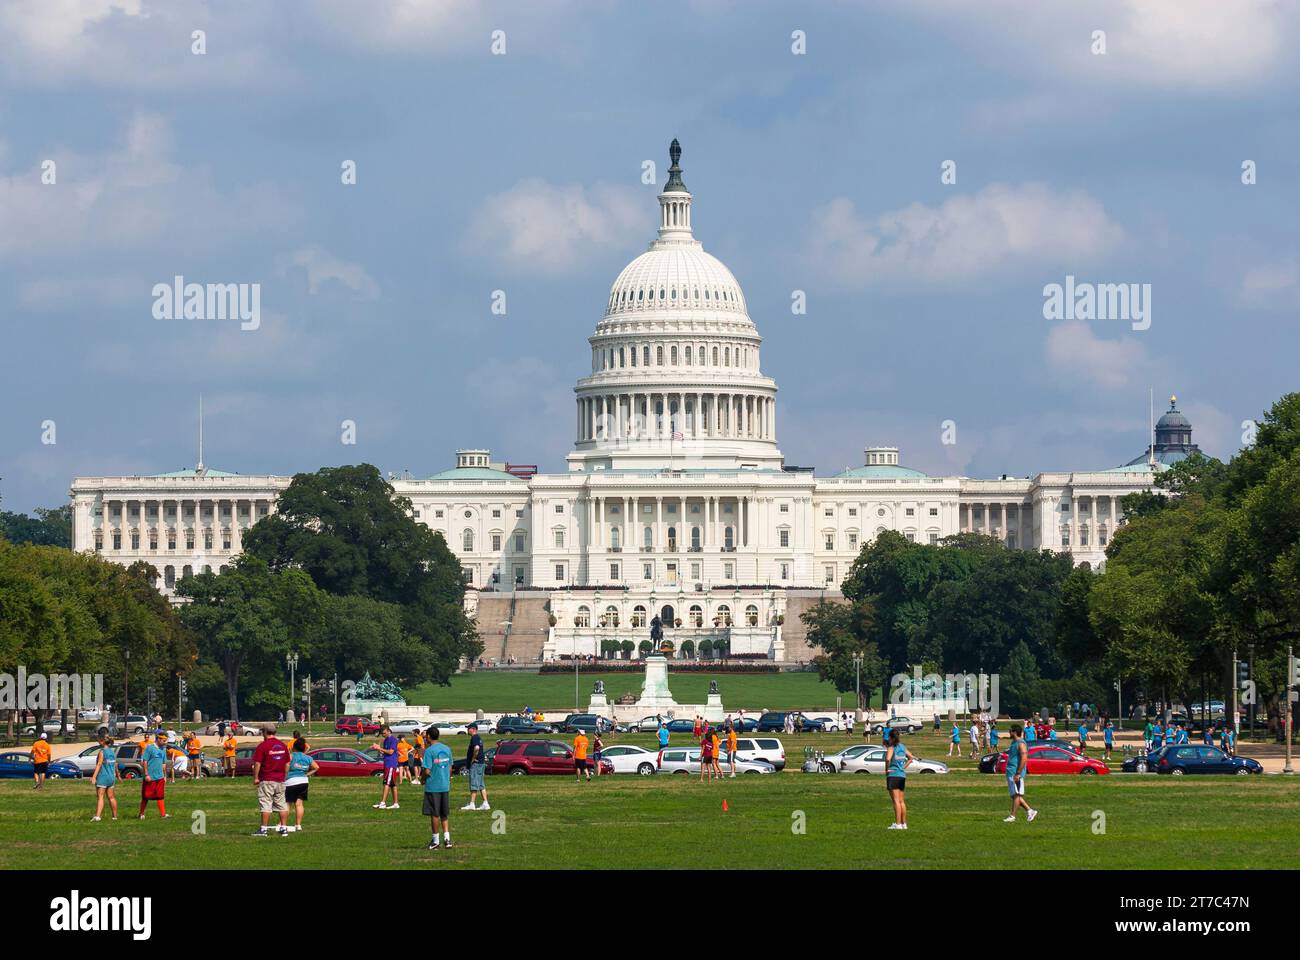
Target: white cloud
[[323, 267], [1076, 355], [1000, 227], [1203, 44], [1271, 282], [554, 228]]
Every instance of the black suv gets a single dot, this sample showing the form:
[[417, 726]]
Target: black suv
[[586, 722], [513, 725]]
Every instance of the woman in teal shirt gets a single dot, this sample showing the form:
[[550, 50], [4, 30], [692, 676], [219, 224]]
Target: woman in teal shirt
[[897, 757], [105, 777]]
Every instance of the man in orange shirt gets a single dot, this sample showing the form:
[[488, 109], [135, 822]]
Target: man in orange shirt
[[195, 751], [580, 757], [228, 754], [41, 759], [403, 758], [731, 747]]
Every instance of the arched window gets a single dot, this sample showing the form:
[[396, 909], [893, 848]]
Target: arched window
[[638, 616], [696, 616], [672, 539], [648, 538], [751, 615], [715, 356], [659, 356], [724, 615], [621, 357], [611, 616], [729, 539], [169, 576], [467, 540], [646, 357], [673, 354], [688, 356], [666, 615], [187, 571], [695, 538], [613, 537], [583, 619]]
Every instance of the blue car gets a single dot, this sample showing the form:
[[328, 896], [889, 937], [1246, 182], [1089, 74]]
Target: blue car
[[19, 766], [1192, 758]]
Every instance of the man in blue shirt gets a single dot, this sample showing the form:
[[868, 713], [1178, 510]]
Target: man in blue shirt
[[663, 735], [1017, 771], [476, 767], [993, 737], [437, 789], [1083, 738], [1031, 732], [1108, 739], [389, 749], [155, 775]]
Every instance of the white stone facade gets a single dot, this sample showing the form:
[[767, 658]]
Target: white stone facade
[[676, 494]]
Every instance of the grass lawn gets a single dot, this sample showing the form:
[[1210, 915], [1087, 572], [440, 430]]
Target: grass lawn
[[674, 821], [509, 692]]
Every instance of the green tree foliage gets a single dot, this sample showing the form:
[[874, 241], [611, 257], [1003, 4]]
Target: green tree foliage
[[49, 528], [843, 631], [346, 528]]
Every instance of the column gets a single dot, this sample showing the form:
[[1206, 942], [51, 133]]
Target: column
[[1074, 520], [236, 539], [659, 523]]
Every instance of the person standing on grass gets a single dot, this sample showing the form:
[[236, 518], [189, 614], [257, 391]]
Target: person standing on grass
[[40, 759], [403, 758], [195, 750], [301, 766], [1148, 732], [597, 750], [361, 729], [580, 757], [1107, 740], [154, 784], [476, 767], [105, 777], [228, 754], [717, 752], [955, 743], [417, 754], [897, 759], [695, 727], [437, 789], [706, 757], [1017, 771], [1031, 731], [848, 725], [270, 767], [388, 747], [663, 735], [993, 737], [731, 750], [1083, 739], [974, 739]]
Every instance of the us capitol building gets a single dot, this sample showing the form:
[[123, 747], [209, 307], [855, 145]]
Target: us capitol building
[[677, 500]]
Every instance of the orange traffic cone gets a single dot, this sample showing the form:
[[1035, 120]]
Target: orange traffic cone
[[724, 806]]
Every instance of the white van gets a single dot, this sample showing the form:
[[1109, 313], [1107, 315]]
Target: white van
[[767, 749]]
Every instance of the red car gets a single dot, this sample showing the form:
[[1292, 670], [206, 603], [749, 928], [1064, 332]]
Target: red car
[[521, 757], [1046, 758], [349, 725], [345, 762]]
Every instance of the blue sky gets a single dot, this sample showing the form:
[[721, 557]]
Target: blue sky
[[521, 172]]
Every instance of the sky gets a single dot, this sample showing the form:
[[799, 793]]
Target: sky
[[920, 169]]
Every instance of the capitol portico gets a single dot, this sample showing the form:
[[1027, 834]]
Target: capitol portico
[[677, 501]]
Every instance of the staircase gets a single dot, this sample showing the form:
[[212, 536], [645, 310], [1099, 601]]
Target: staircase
[[513, 625]]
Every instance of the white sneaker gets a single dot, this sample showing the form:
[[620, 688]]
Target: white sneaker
[[486, 806], [1032, 814], [395, 806], [380, 806], [94, 819], [902, 826], [1008, 819], [894, 826], [469, 806]]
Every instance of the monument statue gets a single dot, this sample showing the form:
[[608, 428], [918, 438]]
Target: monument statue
[[713, 687], [656, 631], [375, 690], [599, 688]]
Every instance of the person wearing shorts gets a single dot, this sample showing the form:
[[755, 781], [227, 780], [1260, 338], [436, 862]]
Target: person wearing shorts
[[154, 785], [403, 759], [1017, 772], [706, 756], [40, 759], [105, 777], [417, 757], [388, 747], [228, 754], [301, 766], [731, 749], [194, 751], [270, 765], [476, 766], [898, 757], [580, 756], [437, 789]]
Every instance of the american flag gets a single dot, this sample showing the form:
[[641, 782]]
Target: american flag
[[678, 435]]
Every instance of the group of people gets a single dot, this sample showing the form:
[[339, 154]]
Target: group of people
[[711, 740], [1157, 734], [982, 735]]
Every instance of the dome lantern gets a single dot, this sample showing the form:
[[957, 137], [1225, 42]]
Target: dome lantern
[[675, 202]]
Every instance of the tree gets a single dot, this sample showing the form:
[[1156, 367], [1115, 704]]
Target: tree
[[49, 528], [843, 632], [348, 530]]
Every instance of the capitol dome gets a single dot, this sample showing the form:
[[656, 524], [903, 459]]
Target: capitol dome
[[675, 377]]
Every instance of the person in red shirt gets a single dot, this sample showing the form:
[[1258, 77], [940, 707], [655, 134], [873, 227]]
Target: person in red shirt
[[706, 756], [270, 761]]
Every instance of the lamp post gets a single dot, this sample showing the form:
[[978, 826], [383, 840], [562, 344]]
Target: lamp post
[[126, 692], [291, 661], [857, 686]]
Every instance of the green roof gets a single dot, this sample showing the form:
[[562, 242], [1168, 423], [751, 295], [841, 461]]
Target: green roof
[[191, 472], [881, 471], [475, 473]]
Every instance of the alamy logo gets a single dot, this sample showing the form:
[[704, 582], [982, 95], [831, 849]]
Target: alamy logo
[[209, 301], [1098, 301], [60, 691], [74, 913]]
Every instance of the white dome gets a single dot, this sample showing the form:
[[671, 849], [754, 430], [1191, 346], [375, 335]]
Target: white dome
[[675, 276]]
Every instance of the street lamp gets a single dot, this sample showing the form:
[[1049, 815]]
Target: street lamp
[[857, 686], [291, 660]]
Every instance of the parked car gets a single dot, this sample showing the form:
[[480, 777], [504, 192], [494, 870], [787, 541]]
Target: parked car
[[485, 726], [407, 727], [647, 724], [52, 726], [681, 725], [127, 726], [341, 762], [768, 749], [829, 724], [745, 725], [460, 768], [520, 757], [687, 760], [349, 725], [586, 722], [448, 729], [775, 721], [873, 760], [989, 762], [628, 758], [1051, 758], [93, 715], [1192, 759], [244, 761], [902, 724], [85, 762], [19, 766], [521, 725], [834, 762]]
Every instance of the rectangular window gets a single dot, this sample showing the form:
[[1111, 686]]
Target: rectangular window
[[853, 511], [853, 541], [559, 571], [117, 541], [438, 514], [830, 573], [135, 541], [785, 508], [559, 508], [496, 514], [728, 571], [785, 571], [911, 511], [559, 538], [519, 543], [934, 511], [225, 542], [518, 514], [496, 541], [829, 512], [784, 537], [647, 571], [934, 539], [695, 571], [830, 541], [519, 574]]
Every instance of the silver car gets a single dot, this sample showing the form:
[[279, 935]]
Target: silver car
[[872, 760], [687, 760]]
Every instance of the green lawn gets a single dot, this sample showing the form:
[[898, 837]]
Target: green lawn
[[674, 821], [510, 692]]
